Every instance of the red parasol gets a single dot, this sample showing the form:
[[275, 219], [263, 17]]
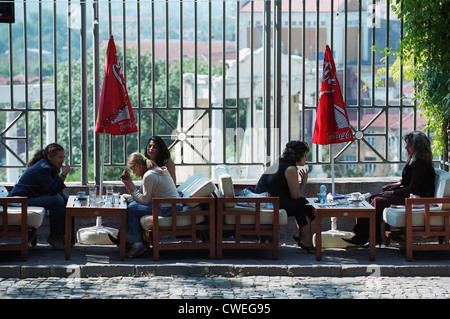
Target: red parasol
[[115, 115], [332, 125]]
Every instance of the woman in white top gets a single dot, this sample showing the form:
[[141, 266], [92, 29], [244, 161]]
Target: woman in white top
[[156, 182]]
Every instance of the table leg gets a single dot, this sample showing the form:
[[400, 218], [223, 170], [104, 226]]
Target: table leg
[[318, 237], [372, 236], [68, 241], [123, 230]]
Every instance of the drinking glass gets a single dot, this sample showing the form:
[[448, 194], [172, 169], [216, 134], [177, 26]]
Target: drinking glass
[[92, 192], [109, 190], [115, 198]]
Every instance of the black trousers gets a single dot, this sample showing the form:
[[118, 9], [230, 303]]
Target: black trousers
[[297, 208]]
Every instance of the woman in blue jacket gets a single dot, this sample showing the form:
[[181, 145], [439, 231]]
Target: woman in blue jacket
[[43, 184]]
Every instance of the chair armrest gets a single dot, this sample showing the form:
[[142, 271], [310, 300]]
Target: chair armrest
[[257, 200], [13, 200], [427, 201], [23, 201]]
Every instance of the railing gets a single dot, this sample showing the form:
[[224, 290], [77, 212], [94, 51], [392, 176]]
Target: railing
[[221, 81]]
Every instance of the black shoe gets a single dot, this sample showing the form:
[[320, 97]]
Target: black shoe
[[115, 241], [355, 241], [309, 250]]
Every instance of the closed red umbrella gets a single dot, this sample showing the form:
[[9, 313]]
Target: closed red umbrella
[[115, 115], [332, 125]]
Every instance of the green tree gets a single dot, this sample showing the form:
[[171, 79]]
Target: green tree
[[424, 57]]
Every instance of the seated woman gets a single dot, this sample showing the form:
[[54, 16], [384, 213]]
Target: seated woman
[[417, 178], [156, 182], [281, 179], [43, 185], [157, 151]]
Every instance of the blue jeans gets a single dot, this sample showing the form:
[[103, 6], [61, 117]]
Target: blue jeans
[[56, 205], [135, 211]]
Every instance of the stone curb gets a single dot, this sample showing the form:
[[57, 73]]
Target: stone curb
[[83, 271]]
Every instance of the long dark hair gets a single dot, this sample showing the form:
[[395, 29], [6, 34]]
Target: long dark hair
[[422, 146], [51, 149], [294, 151], [163, 150]]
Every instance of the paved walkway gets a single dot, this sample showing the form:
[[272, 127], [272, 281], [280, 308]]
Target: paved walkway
[[219, 287], [96, 272]]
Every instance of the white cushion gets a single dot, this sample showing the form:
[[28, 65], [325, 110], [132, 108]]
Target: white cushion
[[266, 217], [197, 185], [225, 183], [35, 216], [442, 186], [396, 217], [189, 182], [182, 220]]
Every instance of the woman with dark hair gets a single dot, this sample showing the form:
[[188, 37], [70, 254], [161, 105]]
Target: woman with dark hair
[[417, 178], [157, 151], [281, 180], [43, 184]]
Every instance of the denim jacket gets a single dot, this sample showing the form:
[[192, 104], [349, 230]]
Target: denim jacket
[[39, 179]]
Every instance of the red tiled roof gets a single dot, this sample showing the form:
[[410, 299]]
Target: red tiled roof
[[393, 119], [188, 49]]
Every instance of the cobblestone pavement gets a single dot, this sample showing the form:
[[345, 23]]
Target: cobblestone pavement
[[217, 287]]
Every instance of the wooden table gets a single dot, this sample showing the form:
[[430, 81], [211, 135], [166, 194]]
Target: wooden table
[[83, 208], [353, 210]]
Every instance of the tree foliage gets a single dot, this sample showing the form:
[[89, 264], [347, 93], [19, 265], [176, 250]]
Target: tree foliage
[[424, 57]]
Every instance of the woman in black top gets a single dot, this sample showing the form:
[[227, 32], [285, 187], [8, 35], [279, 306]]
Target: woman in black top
[[417, 178], [281, 180], [158, 152]]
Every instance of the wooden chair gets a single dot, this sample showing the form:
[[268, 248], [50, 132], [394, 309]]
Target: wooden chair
[[190, 229], [241, 227], [412, 222], [424, 229], [10, 229], [245, 222]]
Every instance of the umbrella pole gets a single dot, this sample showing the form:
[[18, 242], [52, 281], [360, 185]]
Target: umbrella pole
[[333, 237], [102, 164], [99, 219], [333, 219]]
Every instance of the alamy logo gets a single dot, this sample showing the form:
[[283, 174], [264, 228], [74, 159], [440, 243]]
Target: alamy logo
[[73, 281], [376, 12]]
